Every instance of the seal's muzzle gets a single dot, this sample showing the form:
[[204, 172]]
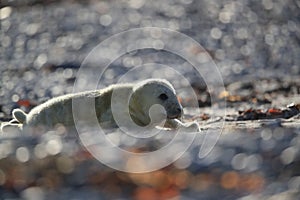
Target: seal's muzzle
[[176, 114]]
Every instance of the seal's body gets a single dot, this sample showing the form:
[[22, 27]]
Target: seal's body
[[139, 99]]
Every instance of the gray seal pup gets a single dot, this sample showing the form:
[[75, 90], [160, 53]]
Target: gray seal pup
[[141, 97]]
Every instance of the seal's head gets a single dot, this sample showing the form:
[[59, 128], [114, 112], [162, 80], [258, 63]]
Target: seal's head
[[152, 92]]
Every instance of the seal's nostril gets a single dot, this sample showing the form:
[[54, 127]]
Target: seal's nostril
[[179, 110]]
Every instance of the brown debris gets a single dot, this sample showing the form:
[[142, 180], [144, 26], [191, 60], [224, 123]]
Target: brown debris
[[202, 117], [26, 103], [271, 113], [244, 98]]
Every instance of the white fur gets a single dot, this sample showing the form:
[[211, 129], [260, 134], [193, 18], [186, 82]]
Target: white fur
[[143, 96]]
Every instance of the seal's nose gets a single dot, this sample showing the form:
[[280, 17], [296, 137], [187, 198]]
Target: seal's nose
[[175, 112], [179, 110]]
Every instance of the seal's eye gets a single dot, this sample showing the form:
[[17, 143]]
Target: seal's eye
[[163, 96]]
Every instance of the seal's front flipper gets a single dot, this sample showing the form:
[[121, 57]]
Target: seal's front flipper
[[192, 127], [19, 115], [189, 127]]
